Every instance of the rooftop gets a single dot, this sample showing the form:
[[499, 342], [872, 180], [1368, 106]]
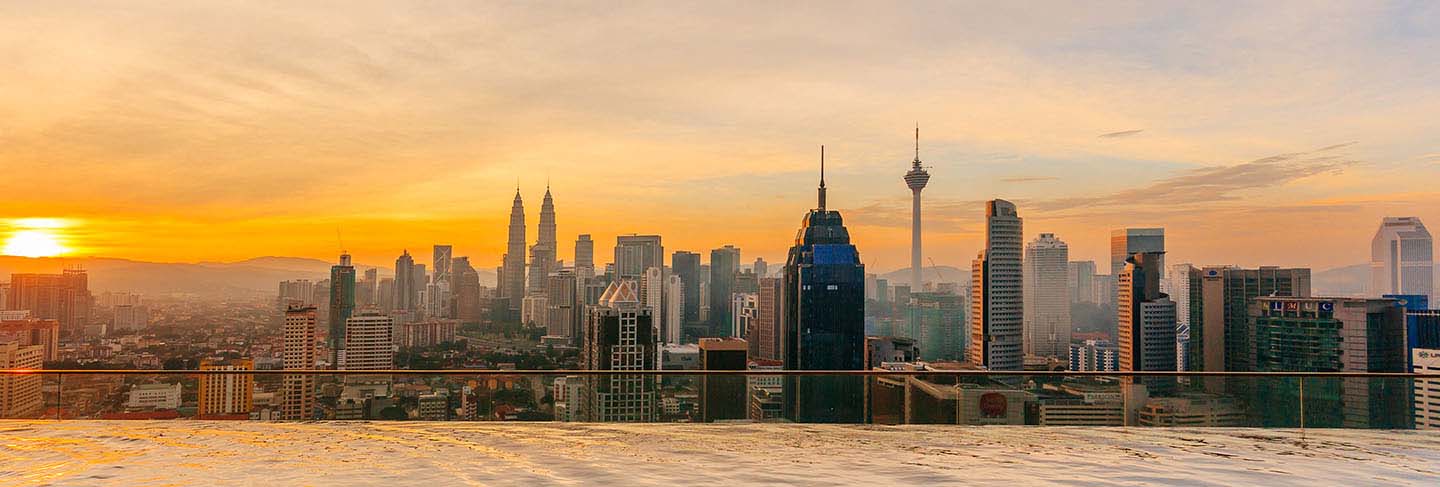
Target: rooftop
[[410, 453]]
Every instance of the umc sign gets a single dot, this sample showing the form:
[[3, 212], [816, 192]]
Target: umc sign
[[1279, 306]]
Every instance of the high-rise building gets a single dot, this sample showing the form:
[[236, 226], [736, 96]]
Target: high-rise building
[[512, 282], [32, 331], [20, 394], [652, 297], [1047, 297], [543, 253], [342, 304], [916, 179], [440, 258], [1146, 316], [584, 256], [997, 295], [403, 297], [298, 391], [464, 291], [674, 306], [366, 287], [1081, 277], [64, 297], [1126, 242], [1331, 335], [938, 326], [369, 342], [1176, 284], [620, 336], [1401, 258], [724, 264], [226, 394], [562, 321], [744, 307], [760, 267], [299, 292], [765, 343], [1219, 307], [823, 322], [723, 397], [635, 253], [686, 265]]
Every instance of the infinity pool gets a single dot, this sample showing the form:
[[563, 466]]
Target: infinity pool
[[434, 454]]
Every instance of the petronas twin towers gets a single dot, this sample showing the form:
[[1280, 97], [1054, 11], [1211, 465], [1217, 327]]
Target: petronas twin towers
[[513, 285]]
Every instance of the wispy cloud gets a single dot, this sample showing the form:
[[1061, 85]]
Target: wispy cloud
[[1027, 179], [1122, 133]]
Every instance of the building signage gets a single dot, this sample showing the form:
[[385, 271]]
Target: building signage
[[993, 405]]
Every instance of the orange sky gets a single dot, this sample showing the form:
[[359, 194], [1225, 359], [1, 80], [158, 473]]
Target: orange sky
[[1277, 134]]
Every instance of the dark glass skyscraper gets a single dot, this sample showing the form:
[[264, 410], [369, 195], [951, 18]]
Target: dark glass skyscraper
[[687, 266], [823, 319], [342, 304], [724, 263]]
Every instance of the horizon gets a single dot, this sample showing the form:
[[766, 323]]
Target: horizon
[[1266, 135]]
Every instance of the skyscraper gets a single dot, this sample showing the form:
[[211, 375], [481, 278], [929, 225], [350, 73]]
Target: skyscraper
[[765, 343], [916, 179], [342, 304], [584, 256], [997, 295], [1130, 241], [405, 290], [724, 263], [1047, 297], [464, 290], [20, 394], [760, 267], [562, 307], [64, 297], [635, 253], [652, 297], [674, 305], [686, 265], [1082, 279], [824, 318], [722, 397], [1220, 297], [542, 255], [512, 283], [620, 336], [1146, 318], [298, 401], [440, 258], [1401, 258]]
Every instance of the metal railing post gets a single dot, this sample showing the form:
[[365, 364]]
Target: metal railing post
[[59, 395]]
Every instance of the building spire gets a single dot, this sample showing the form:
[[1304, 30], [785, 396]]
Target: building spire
[[917, 143], [822, 178]]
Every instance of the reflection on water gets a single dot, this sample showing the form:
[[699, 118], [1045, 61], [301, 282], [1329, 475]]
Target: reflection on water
[[229, 453]]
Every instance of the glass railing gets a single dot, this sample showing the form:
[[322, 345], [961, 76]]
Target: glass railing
[[963, 397]]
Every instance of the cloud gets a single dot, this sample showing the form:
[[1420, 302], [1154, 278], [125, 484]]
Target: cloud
[[1027, 179], [1208, 185], [1122, 133]]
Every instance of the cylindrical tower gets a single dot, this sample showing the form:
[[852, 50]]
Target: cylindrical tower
[[916, 179]]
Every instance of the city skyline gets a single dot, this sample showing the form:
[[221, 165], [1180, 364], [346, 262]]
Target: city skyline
[[179, 142]]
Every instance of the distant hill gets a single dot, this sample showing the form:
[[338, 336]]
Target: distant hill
[[940, 273], [259, 275]]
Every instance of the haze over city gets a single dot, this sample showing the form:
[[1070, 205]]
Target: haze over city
[[1278, 133]]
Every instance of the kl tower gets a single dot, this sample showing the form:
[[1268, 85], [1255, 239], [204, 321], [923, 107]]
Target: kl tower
[[916, 179]]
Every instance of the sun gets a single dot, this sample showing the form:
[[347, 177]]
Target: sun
[[34, 243]]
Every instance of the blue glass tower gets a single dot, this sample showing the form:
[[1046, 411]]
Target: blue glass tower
[[823, 318]]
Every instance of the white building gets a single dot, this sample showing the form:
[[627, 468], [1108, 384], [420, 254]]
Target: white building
[[298, 391], [997, 296], [153, 396], [1427, 391], [744, 308], [1047, 297], [369, 344], [674, 308], [1401, 258]]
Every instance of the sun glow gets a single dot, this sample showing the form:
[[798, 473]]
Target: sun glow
[[35, 237]]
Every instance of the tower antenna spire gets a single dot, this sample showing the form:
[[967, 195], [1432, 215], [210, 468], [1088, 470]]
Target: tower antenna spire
[[822, 178], [917, 142]]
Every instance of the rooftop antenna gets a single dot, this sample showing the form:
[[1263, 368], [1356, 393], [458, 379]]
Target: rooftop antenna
[[822, 178], [917, 142], [339, 240]]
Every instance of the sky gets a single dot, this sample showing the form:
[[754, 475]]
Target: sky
[[1275, 133]]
